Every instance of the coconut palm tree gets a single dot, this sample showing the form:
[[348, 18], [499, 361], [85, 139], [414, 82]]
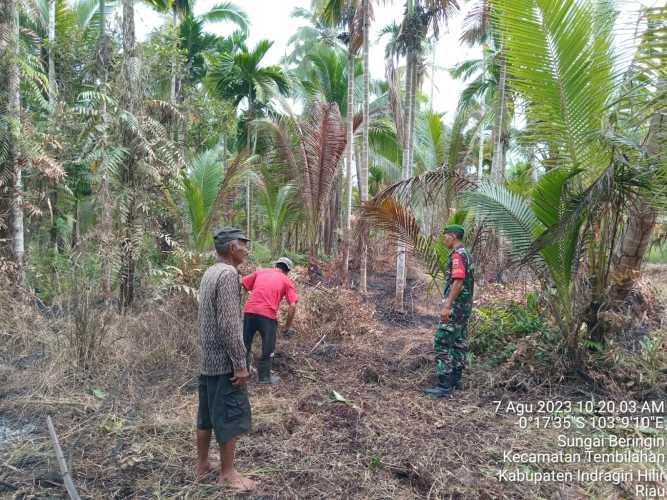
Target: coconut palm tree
[[349, 14], [240, 76], [308, 38], [182, 12], [421, 18]]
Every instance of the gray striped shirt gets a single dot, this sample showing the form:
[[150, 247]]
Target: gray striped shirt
[[220, 326]]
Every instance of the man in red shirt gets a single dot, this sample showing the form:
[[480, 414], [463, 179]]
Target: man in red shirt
[[268, 287]]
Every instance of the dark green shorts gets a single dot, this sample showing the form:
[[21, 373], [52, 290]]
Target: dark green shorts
[[223, 407]]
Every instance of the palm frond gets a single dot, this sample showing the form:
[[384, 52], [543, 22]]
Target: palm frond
[[225, 191], [429, 185], [398, 221], [506, 212], [228, 12], [323, 136], [476, 23], [563, 69]]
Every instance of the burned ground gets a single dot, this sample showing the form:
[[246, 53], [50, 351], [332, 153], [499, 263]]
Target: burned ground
[[348, 421]]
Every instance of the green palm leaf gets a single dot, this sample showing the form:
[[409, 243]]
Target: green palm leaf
[[507, 212], [228, 12], [563, 70]]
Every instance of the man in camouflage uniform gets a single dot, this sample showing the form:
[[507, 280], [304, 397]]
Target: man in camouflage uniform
[[451, 337]]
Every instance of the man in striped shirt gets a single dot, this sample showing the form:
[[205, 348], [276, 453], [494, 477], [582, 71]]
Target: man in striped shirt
[[224, 407]]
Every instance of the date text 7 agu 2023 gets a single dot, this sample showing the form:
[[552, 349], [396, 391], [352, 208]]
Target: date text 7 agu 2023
[[519, 408]]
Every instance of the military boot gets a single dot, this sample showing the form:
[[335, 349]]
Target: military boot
[[444, 388], [264, 372]]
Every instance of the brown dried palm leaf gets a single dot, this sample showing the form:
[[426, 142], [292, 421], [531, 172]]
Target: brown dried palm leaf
[[476, 23], [286, 151], [323, 143], [429, 185], [397, 220]]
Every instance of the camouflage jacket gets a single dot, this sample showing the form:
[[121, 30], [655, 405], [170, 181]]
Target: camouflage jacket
[[460, 266]]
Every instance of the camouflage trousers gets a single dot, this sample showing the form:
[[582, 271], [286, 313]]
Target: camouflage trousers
[[450, 345]]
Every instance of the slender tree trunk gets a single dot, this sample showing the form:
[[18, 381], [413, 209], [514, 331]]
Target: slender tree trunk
[[172, 90], [498, 161], [334, 209], [104, 194], [12, 166], [363, 195], [350, 156], [433, 51], [5, 210], [410, 92], [480, 162], [131, 74], [251, 117], [247, 207], [53, 89]]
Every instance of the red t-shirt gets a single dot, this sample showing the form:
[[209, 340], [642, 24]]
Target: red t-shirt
[[268, 287]]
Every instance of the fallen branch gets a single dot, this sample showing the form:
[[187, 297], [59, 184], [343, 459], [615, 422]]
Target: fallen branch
[[64, 471], [318, 343]]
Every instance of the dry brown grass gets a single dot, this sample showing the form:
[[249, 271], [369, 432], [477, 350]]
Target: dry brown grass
[[135, 438]]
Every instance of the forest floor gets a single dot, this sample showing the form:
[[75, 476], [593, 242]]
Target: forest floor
[[348, 421]]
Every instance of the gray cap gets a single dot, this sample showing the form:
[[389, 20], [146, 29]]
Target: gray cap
[[286, 262], [227, 234]]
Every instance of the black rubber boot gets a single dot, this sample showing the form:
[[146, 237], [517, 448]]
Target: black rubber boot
[[264, 372], [444, 388], [456, 378]]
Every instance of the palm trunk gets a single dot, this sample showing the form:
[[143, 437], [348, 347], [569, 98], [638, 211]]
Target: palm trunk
[[350, 156], [52, 65], [172, 90], [53, 196], [363, 195], [334, 213], [131, 74], [12, 166], [104, 195], [632, 249], [642, 217], [498, 161], [410, 83], [251, 117], [480, 162], [247, 207], [433, 73]]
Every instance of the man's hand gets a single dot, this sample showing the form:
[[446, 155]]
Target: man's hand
[[445, 314], [240, 377]]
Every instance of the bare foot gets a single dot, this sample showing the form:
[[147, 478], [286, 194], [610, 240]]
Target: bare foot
[[202, 469], [236, 481]]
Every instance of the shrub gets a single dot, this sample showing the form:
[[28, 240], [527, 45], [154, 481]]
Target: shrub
[[497, 328]]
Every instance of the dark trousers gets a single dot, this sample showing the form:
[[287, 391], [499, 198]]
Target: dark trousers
[[267, 328], [223, 407]]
